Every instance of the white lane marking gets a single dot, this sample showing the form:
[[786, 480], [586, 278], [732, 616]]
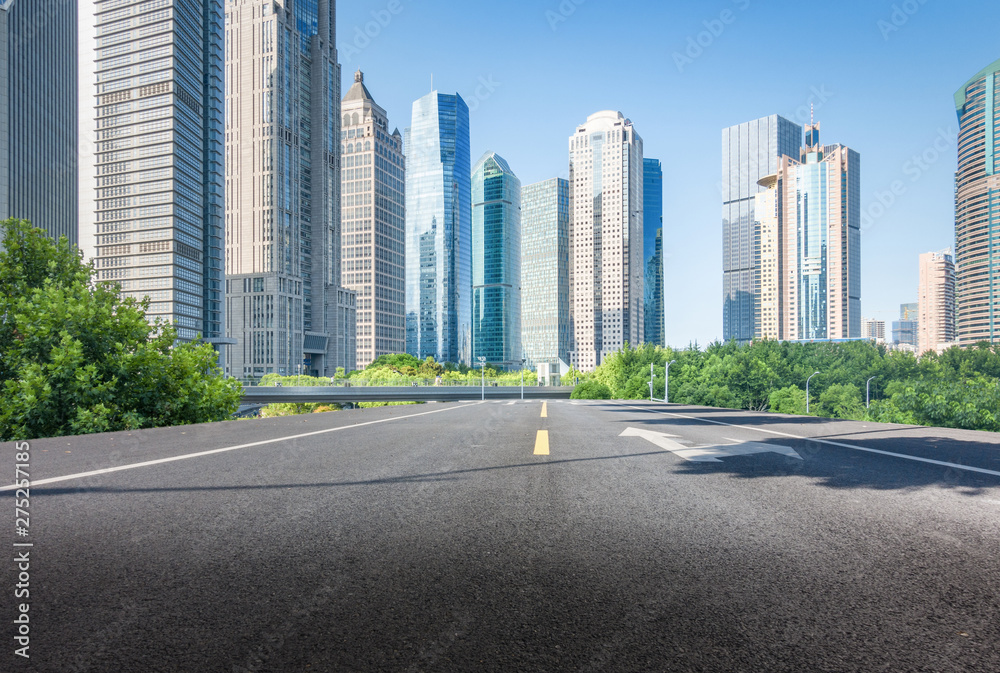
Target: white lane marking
[[512, 402], [942, 463], [708, 454], [132, 466]]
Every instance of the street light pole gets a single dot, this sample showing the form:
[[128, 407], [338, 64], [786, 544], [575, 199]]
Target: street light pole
[[807, 391], [482, 375], [522, 377], [868, 393], [666, 384], [652, 375]]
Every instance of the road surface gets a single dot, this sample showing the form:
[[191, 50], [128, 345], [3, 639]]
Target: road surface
[[514, 536]]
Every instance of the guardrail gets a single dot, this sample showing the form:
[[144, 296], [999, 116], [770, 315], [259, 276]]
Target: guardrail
[[338, 395]]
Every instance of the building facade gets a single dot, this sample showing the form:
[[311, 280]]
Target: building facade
[[873, 330], [904, 330], [439, 230], [606, 182], [38, 115], [977, 208], [287, 310], [373, 222], [936, 300], [152, 166], [652, 255], [496, 263], [750, 152], [546, 273]]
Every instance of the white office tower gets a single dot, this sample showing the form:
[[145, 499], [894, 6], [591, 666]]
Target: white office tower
[[606, 182]]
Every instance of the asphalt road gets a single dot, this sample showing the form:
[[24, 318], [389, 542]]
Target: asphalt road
[[435, 538]]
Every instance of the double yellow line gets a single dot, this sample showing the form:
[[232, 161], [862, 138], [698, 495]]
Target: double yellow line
[[542, 438]]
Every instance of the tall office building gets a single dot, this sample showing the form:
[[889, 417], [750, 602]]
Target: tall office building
[[652, 255], [977, 208], [374, 231], [496, 262], [38, 115], [873, 330], [546, 273], [909, 311], [439, 230], [606, 179], [808, 238], [750, 152], [152, 170], [904, 330], [287, 309], [936, 300]]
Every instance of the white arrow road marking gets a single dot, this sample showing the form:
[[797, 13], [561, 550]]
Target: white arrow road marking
[[708, 454]]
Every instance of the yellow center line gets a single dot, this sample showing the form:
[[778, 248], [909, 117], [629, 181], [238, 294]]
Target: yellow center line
[[545, 409], [542, 443]]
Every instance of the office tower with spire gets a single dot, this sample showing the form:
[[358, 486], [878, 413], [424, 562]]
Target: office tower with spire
[[38, 115], [905, 330], [439, 230], [287, 309], [152, 170], [373, 222], [606, 182], [653, 258], [977, 208], [750, 152], [936, 301], [546, 274], [496, 263]]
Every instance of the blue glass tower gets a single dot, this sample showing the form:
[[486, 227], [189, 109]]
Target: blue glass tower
[[652, 240], [439, 230], [496, 262]]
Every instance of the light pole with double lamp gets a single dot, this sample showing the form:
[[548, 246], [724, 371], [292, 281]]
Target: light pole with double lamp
[[482, 370], [807, 391], [523, 360]]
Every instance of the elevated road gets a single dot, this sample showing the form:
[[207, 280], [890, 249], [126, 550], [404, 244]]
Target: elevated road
[[353, 394], [515, 536]]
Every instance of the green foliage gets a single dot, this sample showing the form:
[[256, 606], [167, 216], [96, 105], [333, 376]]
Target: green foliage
[[591, 390], [842, 401], [790, 400], [77, 358]]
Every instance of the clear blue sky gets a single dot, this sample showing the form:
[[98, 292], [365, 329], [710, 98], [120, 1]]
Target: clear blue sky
[[532, 71]]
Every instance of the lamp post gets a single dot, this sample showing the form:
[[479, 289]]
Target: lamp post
[[666, 384], [522, 377], [652, 375], [482, 377], [807, 391], [868, 393]]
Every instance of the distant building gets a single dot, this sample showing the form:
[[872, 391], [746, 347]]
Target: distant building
[[439, 230], [936, 294], [606, 179], [750, 152], [546, 273], [909, 311], [653, 259], [977, 209], [373, 223], [38, 115], [496, 263], [904, 330], [873, 330]]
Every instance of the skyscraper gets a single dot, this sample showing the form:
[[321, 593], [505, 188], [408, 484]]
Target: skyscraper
[[151, 193], [374, 231], [808, 241], [977, 208], [546, 273], [750, 152], [287, 309], [606, 179], [904, 331], [873, 330], [652, 219], [38, 115], [936, 300], [496, 262], [439, 230]]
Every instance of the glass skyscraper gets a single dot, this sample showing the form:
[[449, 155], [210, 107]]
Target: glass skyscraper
[[496, 262], [439, 230], [652, 236], [977, 208], [546, 273], [152, 194], [750, 152], [38, 115]]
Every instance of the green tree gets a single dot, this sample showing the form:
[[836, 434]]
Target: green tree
[[591, 390], [842, 401], [790, 400], [76, 357]]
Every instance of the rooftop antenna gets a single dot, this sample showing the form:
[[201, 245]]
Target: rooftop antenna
[[432, 81], [812, 114]]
